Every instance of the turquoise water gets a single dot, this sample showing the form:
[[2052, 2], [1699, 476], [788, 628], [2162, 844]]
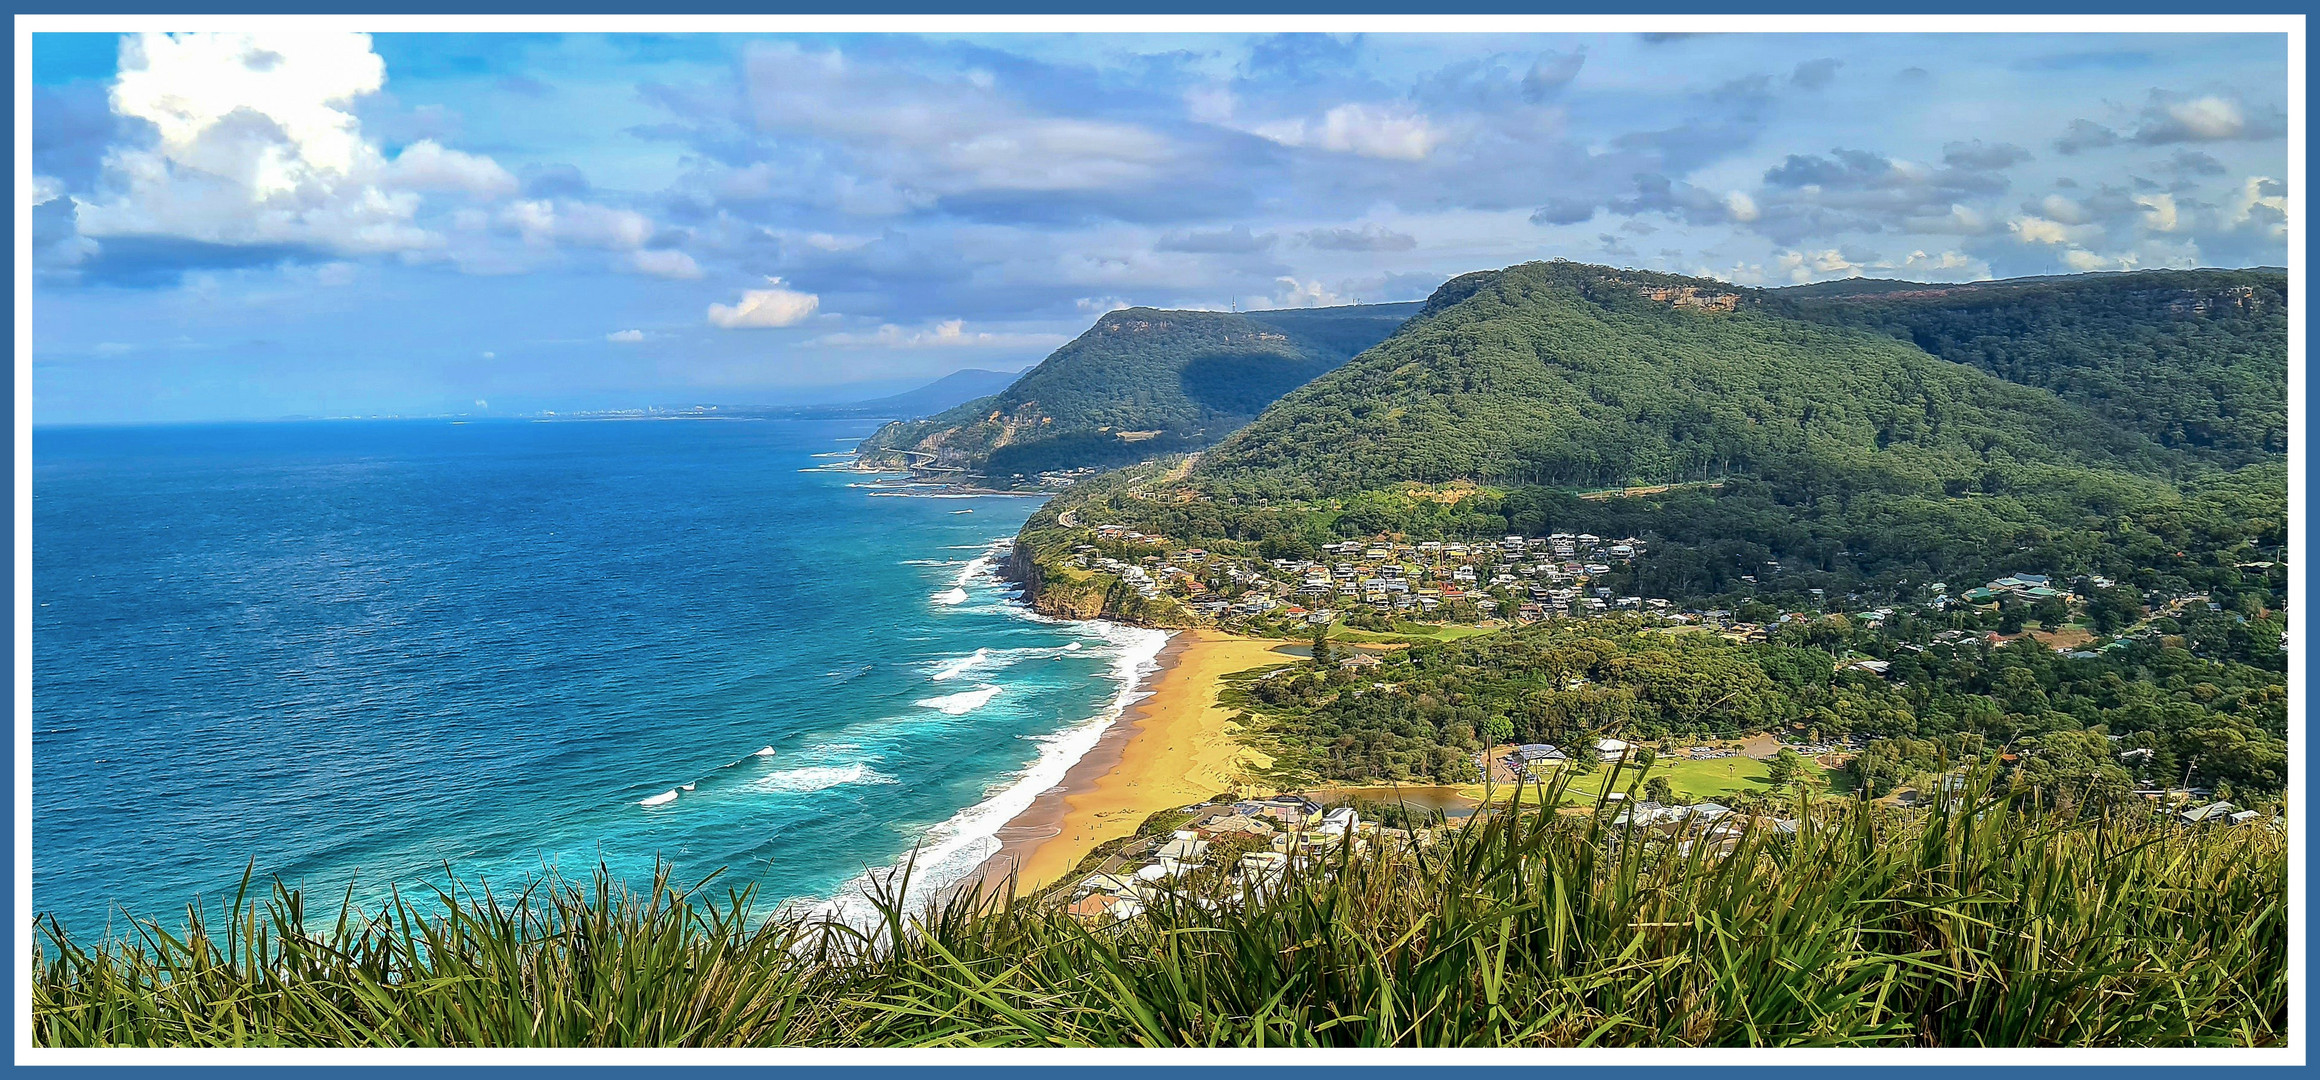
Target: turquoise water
[[357, 652]]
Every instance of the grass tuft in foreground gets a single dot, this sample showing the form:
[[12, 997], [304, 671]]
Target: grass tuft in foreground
[[1982, 926]]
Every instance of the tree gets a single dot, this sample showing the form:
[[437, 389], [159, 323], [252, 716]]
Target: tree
[[2071, 768], [1292, 546], [1786, 766], [1321, 655], [2052, 612], [1658, 790], [2113, 608]]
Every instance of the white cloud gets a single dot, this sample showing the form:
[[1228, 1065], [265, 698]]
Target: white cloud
[[330, 275], [1210, 104], [2208, 118], [2086, 261], [762, 309], [1058, 155], [2063, 209], [668, 263], [1944, 262], [1806, 266], [426, 166], [1742, 207], [2038, 230], [928, 132], [2159, 214], [950, 332], [1962, 220], [1098, 305], [827, 242], [2261, 200], [255, 145], [1739, 273], [625, 337], [1382, 131], [1295, 294], [545, 222]]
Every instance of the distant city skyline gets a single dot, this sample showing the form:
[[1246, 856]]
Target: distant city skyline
[[228, 226]]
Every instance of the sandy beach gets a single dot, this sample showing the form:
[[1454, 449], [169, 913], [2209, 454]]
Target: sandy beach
[[1171, 749]]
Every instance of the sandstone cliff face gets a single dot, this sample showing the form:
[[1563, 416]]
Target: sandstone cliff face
[[1052, 600], [1099, 597]]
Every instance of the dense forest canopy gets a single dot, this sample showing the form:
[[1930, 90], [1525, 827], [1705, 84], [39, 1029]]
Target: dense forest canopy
[[2198, 703], [1796, 455], [2195, 359], [1561, 374], [1138, 383]]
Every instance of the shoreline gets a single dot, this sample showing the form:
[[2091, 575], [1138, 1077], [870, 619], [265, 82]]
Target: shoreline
[[1169, 749]]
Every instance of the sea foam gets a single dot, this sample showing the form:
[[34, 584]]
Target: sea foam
[[950, 851], [961, 703], [961, 666], [975, 568], [819, 777]]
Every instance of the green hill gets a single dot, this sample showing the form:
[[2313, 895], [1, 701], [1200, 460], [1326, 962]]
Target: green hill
[[1758, 453], [1140, 382], [1566, 375], [2195, 359]]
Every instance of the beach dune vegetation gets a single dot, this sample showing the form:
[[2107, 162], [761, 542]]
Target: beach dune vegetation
[[1987, 923]]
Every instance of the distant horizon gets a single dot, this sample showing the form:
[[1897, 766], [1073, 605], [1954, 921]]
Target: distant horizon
[[846, 395]]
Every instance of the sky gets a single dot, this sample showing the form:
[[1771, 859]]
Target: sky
[[251, 227]]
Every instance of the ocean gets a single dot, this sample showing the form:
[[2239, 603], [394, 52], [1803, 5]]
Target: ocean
[[362, 653]]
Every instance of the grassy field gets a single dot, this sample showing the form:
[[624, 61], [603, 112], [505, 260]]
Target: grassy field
[[1702, 780], [1990, 926], [1415, 633]]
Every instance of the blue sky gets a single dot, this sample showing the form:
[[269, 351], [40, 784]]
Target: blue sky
[[235, 227]]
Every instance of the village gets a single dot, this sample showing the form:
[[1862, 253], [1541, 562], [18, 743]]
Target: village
[[1405, 591], [1381, 582], [1522, 578]]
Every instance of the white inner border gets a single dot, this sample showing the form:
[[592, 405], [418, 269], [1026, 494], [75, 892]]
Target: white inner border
[[20, 937]]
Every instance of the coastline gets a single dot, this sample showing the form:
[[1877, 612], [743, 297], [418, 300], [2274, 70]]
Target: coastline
[[1170, 749]]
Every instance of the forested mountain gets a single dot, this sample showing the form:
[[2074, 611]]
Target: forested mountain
[[2195, 359], [1566, 375], [1140, 382], [1758, 453]]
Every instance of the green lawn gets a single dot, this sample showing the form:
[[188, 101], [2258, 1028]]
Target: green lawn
[[1700, 780], [1405, 631]]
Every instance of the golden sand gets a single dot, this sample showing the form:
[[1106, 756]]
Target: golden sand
[[1176, 752]]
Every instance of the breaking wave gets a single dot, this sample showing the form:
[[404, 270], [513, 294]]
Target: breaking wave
[[818, 777], [961, 703], [962, 665], [952, 850]]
